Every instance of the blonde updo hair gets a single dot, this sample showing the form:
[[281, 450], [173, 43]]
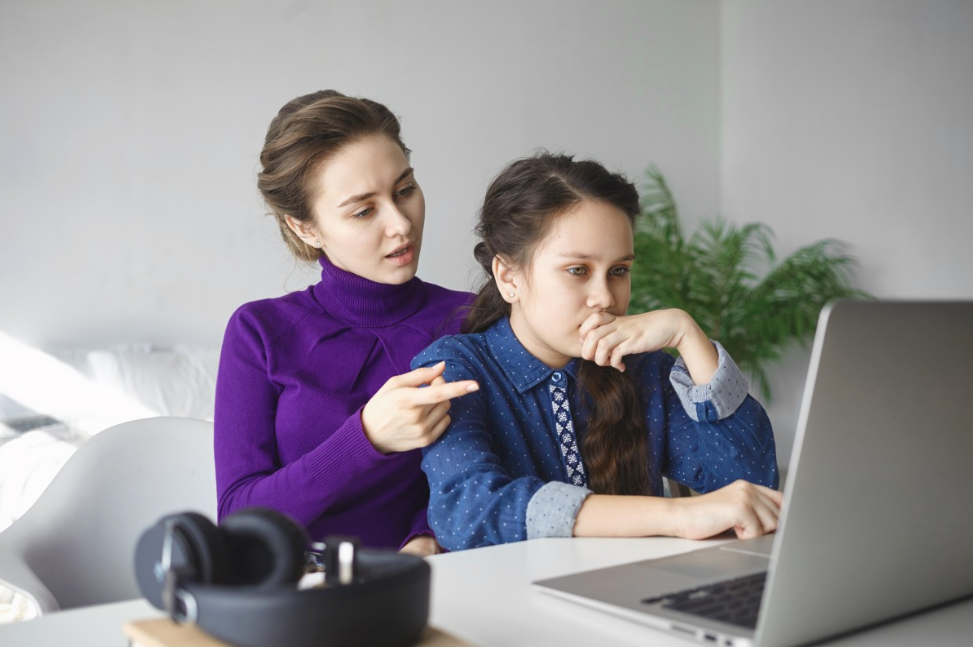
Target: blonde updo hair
[[305, 134]]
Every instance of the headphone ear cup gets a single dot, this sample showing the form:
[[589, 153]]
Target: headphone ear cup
[[206, 546], [265, 548], [198, 554]]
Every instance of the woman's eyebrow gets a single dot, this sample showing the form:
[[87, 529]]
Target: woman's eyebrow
[[365, 196]]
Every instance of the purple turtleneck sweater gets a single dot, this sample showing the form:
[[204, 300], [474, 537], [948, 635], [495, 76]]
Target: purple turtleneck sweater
[[294, 374]]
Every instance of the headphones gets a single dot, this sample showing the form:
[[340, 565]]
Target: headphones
[[238, 583]]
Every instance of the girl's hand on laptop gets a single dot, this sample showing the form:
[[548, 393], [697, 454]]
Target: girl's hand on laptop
[[747, 509], [607, 338]]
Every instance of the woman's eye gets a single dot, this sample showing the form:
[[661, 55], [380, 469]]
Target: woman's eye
[[578, 271], [620, 271], [364, 213], [406, 190]]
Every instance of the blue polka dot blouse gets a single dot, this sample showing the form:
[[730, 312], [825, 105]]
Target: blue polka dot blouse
[[501, 472]]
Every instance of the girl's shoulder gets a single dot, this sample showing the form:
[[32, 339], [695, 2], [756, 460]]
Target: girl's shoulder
[[461, 348]]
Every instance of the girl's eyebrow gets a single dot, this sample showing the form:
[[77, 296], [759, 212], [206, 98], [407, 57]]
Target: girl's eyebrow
[[582, 256], [365, 196]]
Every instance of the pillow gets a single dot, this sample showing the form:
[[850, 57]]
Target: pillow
[[177, 382]]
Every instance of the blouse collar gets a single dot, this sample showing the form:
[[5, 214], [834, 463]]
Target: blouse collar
[[522, 369]]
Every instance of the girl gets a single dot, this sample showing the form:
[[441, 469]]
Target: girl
[[580, 412], [316, 414]]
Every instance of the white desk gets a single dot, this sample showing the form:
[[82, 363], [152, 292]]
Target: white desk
[[484, 596]]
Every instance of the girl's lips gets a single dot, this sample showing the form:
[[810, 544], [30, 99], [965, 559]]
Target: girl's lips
[[402, 256]]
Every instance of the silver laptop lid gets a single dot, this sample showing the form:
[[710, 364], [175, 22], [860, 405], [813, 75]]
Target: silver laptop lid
[[876, 520]]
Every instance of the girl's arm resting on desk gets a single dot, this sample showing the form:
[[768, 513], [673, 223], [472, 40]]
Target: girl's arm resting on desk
[[749, 510]]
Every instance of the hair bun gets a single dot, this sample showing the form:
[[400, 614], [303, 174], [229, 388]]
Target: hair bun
[[483, 255]]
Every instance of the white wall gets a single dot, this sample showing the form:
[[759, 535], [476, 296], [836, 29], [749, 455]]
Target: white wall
[[130, 133], [853, 120]]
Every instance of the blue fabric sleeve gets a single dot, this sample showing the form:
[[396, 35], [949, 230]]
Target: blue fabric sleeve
[[730, 436], [724, 392], [473, 501], [553, 510]]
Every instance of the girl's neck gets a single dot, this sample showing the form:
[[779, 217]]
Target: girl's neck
[[534, 343]]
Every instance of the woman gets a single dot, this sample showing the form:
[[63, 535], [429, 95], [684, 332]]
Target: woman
[[316, 413], [580, 412]]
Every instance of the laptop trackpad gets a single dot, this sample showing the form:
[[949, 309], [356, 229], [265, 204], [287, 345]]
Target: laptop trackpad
[[709, 564]]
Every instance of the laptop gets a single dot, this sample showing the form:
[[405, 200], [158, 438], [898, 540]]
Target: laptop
[[876, 520]]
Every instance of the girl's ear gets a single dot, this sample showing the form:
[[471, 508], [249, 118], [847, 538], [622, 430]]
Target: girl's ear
[[303, 229], [508, 280]]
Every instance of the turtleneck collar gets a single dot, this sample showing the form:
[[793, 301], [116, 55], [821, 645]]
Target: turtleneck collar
[[361, 302]]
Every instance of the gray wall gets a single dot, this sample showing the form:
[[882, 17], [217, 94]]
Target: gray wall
[[853, 119], [131, 133]]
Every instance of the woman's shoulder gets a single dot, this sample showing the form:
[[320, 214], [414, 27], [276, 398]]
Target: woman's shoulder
[[446, 307], [445, 298], [271, 316]]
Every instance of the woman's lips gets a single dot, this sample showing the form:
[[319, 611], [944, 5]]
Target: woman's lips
[[403, 255]]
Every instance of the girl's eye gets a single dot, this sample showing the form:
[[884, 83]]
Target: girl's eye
[[577, 271], [620, 271], [406, 190], [364, 213]]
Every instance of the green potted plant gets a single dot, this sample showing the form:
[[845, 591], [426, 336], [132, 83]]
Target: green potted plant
[[728, 278]]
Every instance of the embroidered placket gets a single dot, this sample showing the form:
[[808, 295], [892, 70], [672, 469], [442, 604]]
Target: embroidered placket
[[564, 427]]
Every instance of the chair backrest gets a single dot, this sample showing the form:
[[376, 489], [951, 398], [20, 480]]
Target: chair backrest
[[75, 546]]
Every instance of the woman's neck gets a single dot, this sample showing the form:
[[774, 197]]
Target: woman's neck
[[362, 302]]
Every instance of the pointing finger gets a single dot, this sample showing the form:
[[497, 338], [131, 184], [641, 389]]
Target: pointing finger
[[442, 392]]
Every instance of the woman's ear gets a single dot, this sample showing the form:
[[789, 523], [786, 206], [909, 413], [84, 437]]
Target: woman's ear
[[508, 280], [303, 230]]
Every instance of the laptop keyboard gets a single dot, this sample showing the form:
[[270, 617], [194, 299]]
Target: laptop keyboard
[[735, 601]]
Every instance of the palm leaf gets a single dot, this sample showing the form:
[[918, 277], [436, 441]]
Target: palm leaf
[[728, 278]]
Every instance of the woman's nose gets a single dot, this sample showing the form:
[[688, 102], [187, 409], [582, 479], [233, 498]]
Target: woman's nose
[[398, 223]]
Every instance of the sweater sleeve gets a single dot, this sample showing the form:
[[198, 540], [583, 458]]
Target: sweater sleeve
[[420, 526], [248, 467]]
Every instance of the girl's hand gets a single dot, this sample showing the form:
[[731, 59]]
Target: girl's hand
[[606, 339], [747, 509], [402, 416], [422, 546]]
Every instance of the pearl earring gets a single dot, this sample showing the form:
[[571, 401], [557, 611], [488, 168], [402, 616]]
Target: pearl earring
[[511, 295]]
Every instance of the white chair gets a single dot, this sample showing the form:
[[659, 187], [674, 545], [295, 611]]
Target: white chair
[[75, 546]]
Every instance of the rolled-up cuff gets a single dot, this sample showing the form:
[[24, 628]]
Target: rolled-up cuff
[[553, 510], [716, 400]]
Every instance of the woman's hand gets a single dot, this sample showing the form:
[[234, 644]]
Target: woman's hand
[[422, 546], [402, 416], [606, 339], [747, 509]]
